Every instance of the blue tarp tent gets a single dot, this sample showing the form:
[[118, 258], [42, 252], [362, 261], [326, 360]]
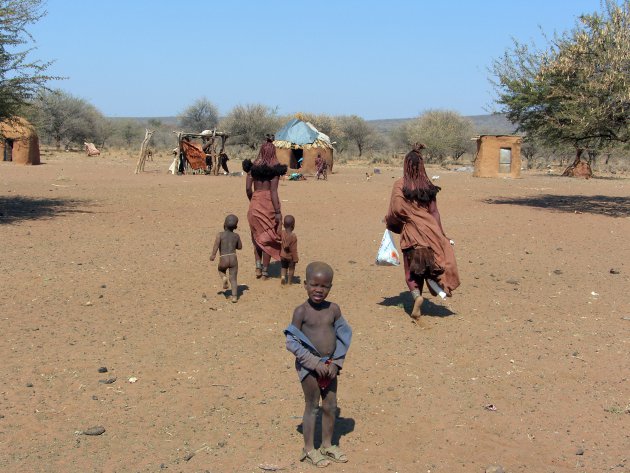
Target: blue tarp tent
[[297, 132]]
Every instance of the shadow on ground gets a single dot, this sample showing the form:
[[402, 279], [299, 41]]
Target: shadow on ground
[[17, 208], [404, 300], [593, 204], [227, 293], [343, 426]]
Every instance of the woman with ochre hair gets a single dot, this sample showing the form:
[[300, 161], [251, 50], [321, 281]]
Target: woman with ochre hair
[[264, 214], [427, 252]]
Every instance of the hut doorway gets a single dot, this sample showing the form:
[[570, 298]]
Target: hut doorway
[[505, 160], [297, 158], [8, 150]]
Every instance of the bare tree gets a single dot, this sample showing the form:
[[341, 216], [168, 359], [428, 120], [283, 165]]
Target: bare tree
[[357, 131], [201, 115], [248, 124]]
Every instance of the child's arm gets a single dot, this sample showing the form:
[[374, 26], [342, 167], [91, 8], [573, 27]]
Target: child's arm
[[239, 245], [217, 242], [275, 200], [294, 250]]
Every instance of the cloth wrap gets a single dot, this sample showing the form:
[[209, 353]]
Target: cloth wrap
[[429, 251], [306, 355]]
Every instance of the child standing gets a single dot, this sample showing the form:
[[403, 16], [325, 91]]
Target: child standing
[[319, 337], [288, 251], [228, 242], [322, 167]]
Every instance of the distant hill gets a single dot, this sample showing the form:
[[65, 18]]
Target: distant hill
[[145, 120], [495, 124]]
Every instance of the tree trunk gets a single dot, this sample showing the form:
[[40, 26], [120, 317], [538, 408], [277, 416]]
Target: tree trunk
[[578, 168]]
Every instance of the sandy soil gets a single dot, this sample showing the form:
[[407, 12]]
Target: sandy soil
[[103, 268]]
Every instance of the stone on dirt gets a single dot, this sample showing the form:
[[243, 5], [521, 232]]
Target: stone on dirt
[[495, 469], [96, 430]]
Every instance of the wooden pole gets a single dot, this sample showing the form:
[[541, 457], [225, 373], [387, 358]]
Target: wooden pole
[[143, 151]]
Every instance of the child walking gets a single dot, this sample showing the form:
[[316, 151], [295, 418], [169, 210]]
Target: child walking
[[319, 337], [228, 242], [288, 251]]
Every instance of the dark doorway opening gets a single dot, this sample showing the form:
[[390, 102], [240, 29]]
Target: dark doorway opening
[[8, 150], [297, 156]]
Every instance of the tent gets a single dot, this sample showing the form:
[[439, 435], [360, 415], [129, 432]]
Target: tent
[[18, 141], [298, 143]]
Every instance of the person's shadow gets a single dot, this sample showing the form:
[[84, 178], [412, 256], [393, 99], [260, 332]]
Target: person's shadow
[[404, 300], [274, 269], [343, 426], [227, 293]]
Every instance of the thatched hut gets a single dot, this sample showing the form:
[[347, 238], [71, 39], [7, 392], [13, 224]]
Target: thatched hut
[[498, 156], [298, 143], [18, 141]]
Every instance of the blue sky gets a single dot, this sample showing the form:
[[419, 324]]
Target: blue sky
[[374, 59]]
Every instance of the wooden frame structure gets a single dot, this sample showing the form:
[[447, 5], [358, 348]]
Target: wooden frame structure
[[213, 155]]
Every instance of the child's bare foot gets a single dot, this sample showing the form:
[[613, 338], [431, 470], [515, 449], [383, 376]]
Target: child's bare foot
[[415, 312], [234, 299], [226, 284]]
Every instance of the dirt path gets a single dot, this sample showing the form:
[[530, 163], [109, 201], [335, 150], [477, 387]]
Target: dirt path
[[103, 268]]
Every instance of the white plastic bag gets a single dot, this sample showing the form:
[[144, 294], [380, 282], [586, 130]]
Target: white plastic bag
[[387, 252]]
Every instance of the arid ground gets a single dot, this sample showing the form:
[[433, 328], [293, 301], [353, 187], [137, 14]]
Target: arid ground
[[526, 367]]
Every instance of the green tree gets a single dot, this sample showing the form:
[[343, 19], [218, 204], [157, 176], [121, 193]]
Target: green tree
[[201, 115], [20, 77], [577, 90], [443, 132], [65, 119], [248, 124]]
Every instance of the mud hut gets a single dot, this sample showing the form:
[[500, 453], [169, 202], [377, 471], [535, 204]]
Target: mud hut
[[19, 142], [297, 145], [498, 156]]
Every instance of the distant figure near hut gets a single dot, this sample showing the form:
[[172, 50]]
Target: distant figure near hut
[[297, 145], [498, 156], [19, 142]]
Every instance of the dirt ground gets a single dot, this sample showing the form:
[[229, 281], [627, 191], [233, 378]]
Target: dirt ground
[[104, 268]]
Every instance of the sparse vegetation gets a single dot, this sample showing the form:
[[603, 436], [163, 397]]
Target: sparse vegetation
[[445, 133]]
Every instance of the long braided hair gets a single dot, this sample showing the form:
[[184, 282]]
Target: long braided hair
[[416, 184], [267, 154], [266, 166]]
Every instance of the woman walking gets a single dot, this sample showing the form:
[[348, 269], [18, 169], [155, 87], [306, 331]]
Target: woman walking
[[264, 214], [413, 213]]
